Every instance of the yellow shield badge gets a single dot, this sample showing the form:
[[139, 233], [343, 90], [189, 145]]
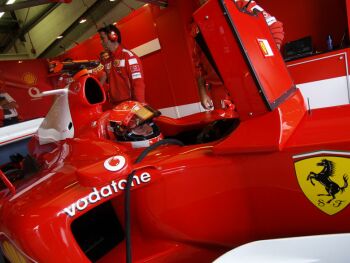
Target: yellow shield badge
[[323, 177]]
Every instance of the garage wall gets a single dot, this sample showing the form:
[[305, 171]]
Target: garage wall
[[315, 18], [169, 74]]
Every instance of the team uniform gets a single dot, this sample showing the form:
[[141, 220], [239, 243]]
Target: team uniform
[[213, 84], [276, 27], [125, 77]]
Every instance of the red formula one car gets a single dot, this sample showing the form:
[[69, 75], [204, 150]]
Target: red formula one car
[[129, 185]]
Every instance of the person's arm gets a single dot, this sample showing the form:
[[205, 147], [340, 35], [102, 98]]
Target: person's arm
[[206, 101], [136, 78], [276, 27], [277, 33], [197, 54], [102, 77]]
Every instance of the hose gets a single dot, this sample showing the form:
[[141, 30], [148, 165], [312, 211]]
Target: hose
[[143, 154]]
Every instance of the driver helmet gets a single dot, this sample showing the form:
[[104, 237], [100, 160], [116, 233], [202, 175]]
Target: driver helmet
[[131, 123]]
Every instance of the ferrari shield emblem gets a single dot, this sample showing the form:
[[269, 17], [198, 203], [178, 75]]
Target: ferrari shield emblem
[[323, 178]]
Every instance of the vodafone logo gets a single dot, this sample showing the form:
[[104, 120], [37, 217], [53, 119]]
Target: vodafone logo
[[98, 194], [115, 163], [34, 92]]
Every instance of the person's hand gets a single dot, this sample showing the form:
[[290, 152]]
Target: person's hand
[[9, 105], [206, 101]]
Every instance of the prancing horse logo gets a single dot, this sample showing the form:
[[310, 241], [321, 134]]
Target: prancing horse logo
[[323, 177]]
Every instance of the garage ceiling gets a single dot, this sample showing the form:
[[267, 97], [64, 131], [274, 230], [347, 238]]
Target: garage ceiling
[[29, 29]]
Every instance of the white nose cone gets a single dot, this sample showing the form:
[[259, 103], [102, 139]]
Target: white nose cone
[[58, 124]]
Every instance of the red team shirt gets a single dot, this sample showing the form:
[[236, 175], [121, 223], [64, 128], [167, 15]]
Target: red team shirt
[[125, 76], [214, 86], [276, 27]]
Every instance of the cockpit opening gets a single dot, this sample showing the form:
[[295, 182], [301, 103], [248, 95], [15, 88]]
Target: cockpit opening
[[93, 91]]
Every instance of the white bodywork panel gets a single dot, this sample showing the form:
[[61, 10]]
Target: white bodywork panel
[[320, 249]]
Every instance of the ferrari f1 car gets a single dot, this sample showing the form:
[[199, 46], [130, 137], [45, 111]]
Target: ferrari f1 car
[[129, 185]]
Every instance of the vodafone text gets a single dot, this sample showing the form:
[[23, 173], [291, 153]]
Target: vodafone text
[[104, 192]]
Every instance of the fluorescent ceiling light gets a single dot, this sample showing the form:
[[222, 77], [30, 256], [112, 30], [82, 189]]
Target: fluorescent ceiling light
[[59, 37], [9, 2], [83, 20]]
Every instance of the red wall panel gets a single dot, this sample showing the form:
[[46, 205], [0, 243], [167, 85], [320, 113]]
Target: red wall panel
[[138, 27], [348, 14], [17, 77], [173, 28], [320, 67], [169, 74], [317, 18], [89, 49]]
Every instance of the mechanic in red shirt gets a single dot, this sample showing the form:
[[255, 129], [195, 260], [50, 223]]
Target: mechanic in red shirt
[[211, 90], [103, 72], [124, 70], [276, 27], [100, 72]]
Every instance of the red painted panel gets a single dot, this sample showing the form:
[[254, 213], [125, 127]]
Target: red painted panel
[[158, 91], [89, 49], [325, 66], [17, 77], [137, 28], [315, 18], [309, 135], [348, 14], [238, 74], [173, 28], [270, 69], [169, 74]]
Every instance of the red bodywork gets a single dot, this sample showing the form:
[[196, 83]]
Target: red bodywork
[[188, 203]]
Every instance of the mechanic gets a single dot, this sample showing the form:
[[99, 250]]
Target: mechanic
[[212, 91], [99, 72], [124, 70], [276, 27], [103, 69], [8, 109]]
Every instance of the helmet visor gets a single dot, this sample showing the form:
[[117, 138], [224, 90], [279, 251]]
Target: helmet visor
[[137, 116]]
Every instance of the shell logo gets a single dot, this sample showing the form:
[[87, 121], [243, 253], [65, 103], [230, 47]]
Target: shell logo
[[29, 78], [115, 163]]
